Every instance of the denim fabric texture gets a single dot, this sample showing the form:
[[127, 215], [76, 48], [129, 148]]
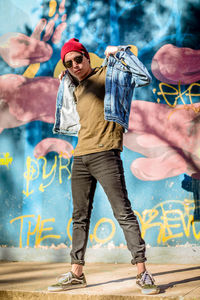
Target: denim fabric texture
[[124, 72], [66, 117], [105, 167]]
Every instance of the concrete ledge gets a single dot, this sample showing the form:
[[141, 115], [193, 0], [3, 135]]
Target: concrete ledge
[[155, 255], [18, 295]]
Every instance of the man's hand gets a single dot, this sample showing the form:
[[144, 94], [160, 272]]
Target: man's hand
[[62, 74], [111, 50]]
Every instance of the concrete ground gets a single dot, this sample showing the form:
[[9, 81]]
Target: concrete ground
[[29, 280]]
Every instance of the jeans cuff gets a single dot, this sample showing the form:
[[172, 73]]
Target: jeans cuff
[[138, 260], [77, 262]]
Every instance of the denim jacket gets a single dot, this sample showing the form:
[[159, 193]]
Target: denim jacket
[[66, 118], [124, 72]]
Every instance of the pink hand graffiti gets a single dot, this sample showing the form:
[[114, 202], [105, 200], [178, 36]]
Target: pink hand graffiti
[[171, 145], [19, 50], [49, 30], [28, 99]]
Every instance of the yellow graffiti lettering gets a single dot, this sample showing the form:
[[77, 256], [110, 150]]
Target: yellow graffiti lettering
[[42, 229], [171, 219], [45, 175], [168, 226], [164, 93], [146, 220], [170, 223], [64, 167], [190, 95], [21, 218], [178, 94], [186, 228], [196, 235], [94, 235], [31, 174], [68, 229], [5, 159], [37, 231]]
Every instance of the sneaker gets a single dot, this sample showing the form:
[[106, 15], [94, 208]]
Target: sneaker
[[146, 283], [68, 281]]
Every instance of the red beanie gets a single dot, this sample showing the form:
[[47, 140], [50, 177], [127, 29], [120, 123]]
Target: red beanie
[[73, 45]]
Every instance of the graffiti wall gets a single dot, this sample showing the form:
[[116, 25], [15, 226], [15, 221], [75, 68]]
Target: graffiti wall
[[161, 149]]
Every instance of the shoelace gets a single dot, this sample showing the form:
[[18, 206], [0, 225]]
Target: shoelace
[[147, 278], [64, 277]]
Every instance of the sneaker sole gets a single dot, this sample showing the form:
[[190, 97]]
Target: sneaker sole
[[149, 291], [153, 292], [63, 288]]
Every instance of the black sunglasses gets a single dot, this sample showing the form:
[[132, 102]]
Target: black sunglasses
[[78, 59]]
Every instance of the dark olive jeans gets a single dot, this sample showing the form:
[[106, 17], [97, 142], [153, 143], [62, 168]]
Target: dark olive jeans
[[105, 167]]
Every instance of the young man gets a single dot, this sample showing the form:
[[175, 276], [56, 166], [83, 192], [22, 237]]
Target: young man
[[102, 96]]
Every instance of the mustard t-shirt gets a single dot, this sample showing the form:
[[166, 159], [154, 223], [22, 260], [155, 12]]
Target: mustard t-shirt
[[96, 134]]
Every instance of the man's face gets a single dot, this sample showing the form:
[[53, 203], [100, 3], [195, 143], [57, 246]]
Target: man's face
[[78, 70]]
